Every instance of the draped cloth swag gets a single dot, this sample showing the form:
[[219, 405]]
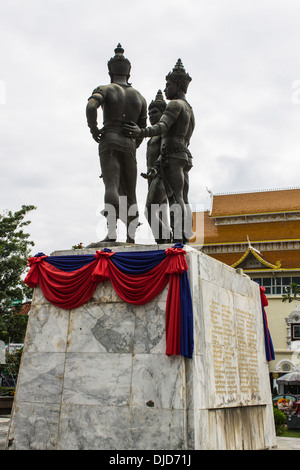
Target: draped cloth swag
[[270, 355], [137, 277]]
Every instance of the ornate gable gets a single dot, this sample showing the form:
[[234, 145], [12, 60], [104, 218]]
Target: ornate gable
[[252, 259]]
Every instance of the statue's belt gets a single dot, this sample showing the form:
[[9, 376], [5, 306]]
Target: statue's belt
[[177, 148], [113, 126], [163, 162]]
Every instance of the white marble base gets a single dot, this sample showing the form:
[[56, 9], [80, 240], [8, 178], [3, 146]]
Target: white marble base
[[97, 377]]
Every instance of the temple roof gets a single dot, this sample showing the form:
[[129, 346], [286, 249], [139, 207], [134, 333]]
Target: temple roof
[[270, 260], [244, 242], [258, 256], [259, 202], [237, 233]]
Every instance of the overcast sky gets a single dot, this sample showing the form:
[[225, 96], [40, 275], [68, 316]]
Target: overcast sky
[[244, 60]]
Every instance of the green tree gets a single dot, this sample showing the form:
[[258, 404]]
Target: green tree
[[292, 293], [14, 251]]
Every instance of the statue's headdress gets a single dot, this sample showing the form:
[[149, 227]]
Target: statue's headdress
[[179, 75], [159, 102], [119, 65]]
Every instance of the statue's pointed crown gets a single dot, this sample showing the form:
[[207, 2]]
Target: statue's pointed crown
[[118, 64], [159, 101], [159, 96], [179, 73]]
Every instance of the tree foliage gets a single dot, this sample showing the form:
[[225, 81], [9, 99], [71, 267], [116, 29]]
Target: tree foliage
[[15, 248], [292, 293]]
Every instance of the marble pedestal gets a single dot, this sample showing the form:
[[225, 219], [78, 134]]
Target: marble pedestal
[[97, 377]]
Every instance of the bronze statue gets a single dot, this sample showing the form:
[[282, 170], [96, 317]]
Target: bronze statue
[[156, 210], [120, 103], [175, 127]]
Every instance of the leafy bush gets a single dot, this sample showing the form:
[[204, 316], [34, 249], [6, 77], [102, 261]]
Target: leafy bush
[[280, 420], [7, 391]]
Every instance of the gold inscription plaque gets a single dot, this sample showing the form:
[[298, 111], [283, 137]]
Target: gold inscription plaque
[[234, 346]]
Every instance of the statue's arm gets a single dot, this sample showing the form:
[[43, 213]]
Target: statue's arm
[[133, 130], [142, 122], [171, 113], [168, 118], [94, 102]]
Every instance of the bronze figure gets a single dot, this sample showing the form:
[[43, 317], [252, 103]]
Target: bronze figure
[[175, 127], [120, 104], [156, 210]]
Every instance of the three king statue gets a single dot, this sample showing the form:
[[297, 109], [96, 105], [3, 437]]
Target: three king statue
[[168, 158]]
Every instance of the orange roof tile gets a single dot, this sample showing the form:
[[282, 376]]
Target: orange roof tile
[[260, 202], [237, 233]]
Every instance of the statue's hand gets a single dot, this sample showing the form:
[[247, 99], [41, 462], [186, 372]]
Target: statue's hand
[[152, 172], [96, 134], [131, 130]]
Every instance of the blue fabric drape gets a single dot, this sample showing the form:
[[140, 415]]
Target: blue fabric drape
[[135, 262], [187, 323], [270, 354], [70, 263], [138, 262]]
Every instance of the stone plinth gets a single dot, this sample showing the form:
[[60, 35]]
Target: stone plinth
[[97, 377]]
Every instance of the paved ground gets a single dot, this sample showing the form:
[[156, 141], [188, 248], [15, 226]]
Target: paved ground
[[288, 443], [283, 443]]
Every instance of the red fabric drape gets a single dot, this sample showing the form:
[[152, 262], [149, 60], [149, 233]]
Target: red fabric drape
[[69, 290], [63, 289], [263, 297], [173, 317]]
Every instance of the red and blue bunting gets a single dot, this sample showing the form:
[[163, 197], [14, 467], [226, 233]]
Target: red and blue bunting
[[270, 355], [137, 277]]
